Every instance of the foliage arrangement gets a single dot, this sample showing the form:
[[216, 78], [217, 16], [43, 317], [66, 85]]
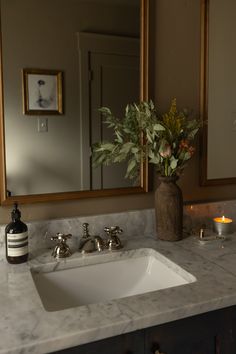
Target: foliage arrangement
[[164, 139]]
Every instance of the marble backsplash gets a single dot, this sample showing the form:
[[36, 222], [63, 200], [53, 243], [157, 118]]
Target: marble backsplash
[[134, 223]]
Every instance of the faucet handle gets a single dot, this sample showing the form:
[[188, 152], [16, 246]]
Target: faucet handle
[[113, 242], [61, 250], [61, 237], [113, 230]]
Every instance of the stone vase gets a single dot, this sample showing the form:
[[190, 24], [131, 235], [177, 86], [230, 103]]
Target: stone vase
[[169, 209]]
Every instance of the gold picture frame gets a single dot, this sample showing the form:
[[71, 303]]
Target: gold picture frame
[[42, 92]]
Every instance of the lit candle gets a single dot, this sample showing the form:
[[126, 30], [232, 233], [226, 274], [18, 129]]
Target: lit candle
[[223, 225]]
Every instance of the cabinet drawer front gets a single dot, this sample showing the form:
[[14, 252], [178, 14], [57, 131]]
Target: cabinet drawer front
[[130, 343]]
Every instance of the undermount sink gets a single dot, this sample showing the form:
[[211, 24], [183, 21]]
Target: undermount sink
[[132, 273]]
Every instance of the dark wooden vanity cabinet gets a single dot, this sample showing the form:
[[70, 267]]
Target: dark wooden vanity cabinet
[[130, 343], [194, 335], [210, 333]]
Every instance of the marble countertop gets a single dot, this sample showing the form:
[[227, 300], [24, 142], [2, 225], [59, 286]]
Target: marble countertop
[[26, 327]]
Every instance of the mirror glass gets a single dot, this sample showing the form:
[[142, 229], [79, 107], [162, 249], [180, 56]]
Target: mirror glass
[[218, 91], [95, 47]]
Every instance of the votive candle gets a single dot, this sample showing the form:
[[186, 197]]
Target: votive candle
[[222, 225]]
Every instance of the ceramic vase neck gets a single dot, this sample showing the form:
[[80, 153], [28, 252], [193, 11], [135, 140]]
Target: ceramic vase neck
[[168, 179]]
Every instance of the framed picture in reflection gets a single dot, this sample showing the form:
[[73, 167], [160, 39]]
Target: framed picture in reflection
[[42, 92]]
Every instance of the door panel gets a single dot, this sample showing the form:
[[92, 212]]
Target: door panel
[[111, 73]]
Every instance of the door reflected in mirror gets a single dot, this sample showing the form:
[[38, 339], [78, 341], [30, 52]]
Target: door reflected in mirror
[[96, 44]]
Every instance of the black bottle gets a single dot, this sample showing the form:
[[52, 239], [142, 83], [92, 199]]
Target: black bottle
[[16, 239]]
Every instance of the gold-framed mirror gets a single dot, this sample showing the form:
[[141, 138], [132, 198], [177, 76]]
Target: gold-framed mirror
[[29, 48], [217, 102]]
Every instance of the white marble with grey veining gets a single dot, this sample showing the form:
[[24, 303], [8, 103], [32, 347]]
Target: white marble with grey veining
[[134, 223], [26, 327]]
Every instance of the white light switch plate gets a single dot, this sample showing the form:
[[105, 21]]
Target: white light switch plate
[[42, 125]]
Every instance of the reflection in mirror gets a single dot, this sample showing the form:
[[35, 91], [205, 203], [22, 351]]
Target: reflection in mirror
[[96, 44], [218, 103]]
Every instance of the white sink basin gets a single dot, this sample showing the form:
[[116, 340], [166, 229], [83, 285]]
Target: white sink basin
[[147, 270]]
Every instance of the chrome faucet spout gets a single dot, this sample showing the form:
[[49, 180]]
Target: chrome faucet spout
[[90, 243]]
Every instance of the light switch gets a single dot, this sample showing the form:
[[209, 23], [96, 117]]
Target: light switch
[[42, 125], [234, 125]]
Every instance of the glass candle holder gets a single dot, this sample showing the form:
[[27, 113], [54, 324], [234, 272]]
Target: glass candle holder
[[222, 225]]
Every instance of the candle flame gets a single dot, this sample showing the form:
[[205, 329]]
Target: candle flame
[[223, 220]]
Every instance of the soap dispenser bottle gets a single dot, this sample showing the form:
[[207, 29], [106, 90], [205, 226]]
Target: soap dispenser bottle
[[16, 238]]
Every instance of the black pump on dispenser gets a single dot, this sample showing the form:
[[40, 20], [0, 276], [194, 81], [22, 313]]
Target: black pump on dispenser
[[15, 214], [16, 237]]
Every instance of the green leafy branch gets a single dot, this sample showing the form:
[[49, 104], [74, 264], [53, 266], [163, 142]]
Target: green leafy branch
[[164, 140]]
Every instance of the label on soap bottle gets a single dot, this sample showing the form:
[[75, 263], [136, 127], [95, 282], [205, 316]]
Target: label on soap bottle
[[17, 244]]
